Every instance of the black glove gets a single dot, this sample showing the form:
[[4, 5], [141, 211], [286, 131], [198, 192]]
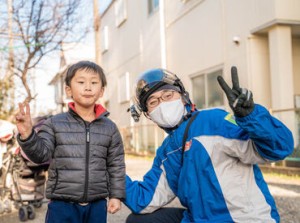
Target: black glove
[[240, 99]]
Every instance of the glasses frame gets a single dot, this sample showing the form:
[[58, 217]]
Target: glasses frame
[[163, 97]]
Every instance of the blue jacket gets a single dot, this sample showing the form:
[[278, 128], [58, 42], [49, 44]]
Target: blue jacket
[[219, 180]]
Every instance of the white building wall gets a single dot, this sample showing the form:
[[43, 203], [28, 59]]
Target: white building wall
[[134, 47], [258, 67], [194, 36], [200, 36], [287, 10]]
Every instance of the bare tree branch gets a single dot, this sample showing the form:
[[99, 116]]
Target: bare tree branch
[[41, 26]]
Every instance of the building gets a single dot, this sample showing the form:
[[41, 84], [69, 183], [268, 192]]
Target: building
[[70, 53], [199, 40]]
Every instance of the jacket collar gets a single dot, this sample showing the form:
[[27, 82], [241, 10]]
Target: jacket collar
[[99, 109]]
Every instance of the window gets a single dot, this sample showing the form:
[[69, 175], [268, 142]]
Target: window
[[124, 88], [297, 101], [152, 6], [206, 90], [58, 91], [104, 39], [120, 12]]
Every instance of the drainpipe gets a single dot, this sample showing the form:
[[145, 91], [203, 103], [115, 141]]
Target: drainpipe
[[163, 52], [162, 31]]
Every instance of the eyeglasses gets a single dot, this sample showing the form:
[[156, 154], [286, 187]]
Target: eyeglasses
[[165, 96]]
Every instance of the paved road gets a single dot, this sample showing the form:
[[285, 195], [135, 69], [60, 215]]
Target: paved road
[[285, 190]]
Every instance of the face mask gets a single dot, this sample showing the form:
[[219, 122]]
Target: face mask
[[168, 114]]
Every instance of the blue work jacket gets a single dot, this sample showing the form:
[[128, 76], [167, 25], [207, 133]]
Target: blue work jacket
[[219, 179]]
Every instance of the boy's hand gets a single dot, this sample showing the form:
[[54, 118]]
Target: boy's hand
[[240, 99], [23, 119], [114, 205]]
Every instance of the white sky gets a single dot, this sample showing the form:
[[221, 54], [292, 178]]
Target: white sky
[[49, 65], [103, 4]]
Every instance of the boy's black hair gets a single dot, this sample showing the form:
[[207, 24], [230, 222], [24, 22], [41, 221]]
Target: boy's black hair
[[85, 65]]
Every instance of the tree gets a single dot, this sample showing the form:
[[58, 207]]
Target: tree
[[39, 28]]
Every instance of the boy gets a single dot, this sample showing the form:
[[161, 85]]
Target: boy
[[85, 150], [213, 170]]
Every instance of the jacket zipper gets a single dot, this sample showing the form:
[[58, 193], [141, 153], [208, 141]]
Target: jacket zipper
[[87, 160]]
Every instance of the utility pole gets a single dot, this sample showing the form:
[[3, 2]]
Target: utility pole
[[162, 32], [97, 31], [8, 80]]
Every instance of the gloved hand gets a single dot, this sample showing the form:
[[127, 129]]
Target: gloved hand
[[240, 99]]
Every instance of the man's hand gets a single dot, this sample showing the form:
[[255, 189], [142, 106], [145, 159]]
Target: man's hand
[[240, 99], [23, 119], [114, 205]]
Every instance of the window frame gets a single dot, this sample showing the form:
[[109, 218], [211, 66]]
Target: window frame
[[120, 12], [153, 6], [104, 40], [207, 92], [124, 97]]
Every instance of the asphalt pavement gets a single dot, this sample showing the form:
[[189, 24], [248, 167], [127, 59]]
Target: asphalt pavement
[[286, 191]]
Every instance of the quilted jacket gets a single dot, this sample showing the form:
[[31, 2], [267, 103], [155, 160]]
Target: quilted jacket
[[86, 159]]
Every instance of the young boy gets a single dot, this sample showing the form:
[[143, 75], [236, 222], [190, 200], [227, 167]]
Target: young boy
[[213, 170], [85, 150]]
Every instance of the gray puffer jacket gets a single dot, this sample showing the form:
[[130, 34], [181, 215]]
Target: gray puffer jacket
[[86, 159]]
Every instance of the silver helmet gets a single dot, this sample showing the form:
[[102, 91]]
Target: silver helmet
[[149, 82]]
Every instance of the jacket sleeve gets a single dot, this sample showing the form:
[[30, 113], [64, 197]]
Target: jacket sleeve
[[39, 147], [150, 194], [116, 166], [268, 138]]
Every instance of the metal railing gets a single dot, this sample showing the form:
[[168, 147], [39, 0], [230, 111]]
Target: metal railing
[[290, 117], [145, 139], [142, 139]]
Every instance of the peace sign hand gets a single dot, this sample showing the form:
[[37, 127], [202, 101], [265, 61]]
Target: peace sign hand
[[240, 99], [23, 119]]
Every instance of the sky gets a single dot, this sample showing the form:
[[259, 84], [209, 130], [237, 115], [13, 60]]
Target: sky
[[49, 65], [103, 4]]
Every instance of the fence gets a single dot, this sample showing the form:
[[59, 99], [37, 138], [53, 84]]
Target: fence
[[145, 139], [291, 117], [142, 139]]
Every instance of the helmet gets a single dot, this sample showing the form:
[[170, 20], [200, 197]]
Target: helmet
[[151, 80]]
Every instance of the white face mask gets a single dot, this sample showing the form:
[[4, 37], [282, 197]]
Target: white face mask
[[168, 114]]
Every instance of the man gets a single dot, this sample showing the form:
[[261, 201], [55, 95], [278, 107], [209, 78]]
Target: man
[[209, 159]]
